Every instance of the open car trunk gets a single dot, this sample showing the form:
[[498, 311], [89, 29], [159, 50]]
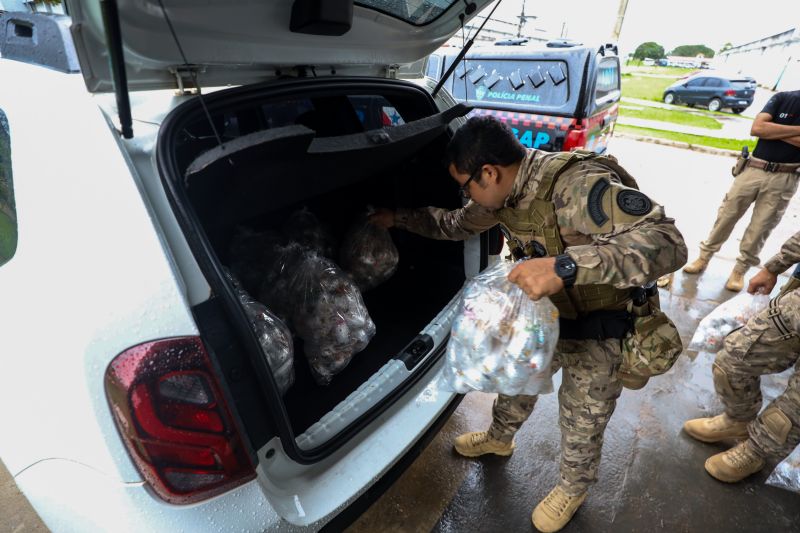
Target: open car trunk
[[333, 147]]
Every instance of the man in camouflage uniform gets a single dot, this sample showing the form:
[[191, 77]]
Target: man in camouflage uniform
[[609, 238], [768, 180], [768, 344]]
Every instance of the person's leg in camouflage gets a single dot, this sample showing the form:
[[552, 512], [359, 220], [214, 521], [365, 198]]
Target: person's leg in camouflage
[[742, 193], [508, 415], [763, 346], [590, 386]]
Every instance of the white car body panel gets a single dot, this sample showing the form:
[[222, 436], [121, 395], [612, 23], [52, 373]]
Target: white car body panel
[[235, 43], [89, 278]]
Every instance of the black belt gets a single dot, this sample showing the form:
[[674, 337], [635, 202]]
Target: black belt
[[597, 325]]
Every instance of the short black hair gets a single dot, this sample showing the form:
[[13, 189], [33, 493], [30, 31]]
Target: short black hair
[[483, 140]]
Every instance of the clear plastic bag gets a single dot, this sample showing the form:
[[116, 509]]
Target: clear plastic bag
[[273, 335], [325, 308], [251, 252], [787, 474], [303, 227], [368, 254], [711, 332], [501, 340]]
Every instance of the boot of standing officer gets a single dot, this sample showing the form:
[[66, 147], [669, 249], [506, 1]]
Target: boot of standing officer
[[768, 344], [767, 179]]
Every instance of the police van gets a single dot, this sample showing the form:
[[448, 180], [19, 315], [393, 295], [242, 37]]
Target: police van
[[557, 97]]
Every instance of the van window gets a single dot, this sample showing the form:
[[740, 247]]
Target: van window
[[8, 213], [539, 82], [432, 70], [607, 78]]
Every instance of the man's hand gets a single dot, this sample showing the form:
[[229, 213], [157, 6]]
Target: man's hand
[[537, 277], [762, 282], [383, 218]]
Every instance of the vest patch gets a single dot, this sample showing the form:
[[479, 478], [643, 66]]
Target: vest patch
[[634, 202], [595, 202]]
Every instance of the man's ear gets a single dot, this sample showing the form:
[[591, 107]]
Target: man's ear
[[493, 173]]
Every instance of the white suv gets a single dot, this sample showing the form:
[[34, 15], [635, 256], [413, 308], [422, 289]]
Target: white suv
[[134, 393]]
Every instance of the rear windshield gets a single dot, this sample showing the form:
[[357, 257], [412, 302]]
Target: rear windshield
[[743, 84], [417, 12], [538, 82]]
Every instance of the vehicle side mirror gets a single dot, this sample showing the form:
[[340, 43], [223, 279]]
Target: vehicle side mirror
[[322, 17]]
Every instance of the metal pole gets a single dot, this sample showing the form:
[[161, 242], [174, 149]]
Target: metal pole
[[623, 6]]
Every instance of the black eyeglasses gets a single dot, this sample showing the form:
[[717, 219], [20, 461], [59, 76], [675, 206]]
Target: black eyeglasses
[[465, 188]]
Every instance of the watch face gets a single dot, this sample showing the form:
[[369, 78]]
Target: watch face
[[567, 266]]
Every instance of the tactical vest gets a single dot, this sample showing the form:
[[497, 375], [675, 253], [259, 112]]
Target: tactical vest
[[539, 221]]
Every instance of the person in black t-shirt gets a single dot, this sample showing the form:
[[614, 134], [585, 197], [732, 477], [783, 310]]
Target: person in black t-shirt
[[768, 178]]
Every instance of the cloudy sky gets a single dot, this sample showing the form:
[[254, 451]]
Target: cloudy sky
[[667, 22]]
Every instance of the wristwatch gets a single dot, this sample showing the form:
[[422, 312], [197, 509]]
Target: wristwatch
[[566, 269]]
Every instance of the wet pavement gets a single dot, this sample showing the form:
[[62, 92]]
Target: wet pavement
[[651, 475]]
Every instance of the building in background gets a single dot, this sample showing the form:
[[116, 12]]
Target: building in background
[[773, 61], [32, 6]]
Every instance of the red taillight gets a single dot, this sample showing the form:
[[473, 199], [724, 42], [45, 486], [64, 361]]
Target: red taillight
[[730, 92], [576, 138], [175, 421]]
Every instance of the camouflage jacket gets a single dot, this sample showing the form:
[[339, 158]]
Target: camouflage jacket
[[617, 248], [788, 256]]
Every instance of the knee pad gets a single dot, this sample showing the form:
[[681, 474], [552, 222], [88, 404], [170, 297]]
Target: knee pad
[[721, 383], [777, 424]]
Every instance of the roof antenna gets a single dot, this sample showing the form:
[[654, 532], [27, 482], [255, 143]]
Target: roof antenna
[[193, 74], [470, 8]]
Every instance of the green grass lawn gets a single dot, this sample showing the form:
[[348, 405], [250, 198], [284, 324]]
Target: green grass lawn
[[644, 87], [676, 116], [8, 238], [700, 140]]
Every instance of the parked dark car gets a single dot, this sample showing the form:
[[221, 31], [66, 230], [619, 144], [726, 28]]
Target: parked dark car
[[713, 91], [561, 96]]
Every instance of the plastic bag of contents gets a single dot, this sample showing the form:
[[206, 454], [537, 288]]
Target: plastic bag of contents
[[501, 340], [711, 332], [251, 253], [787, 474], [273, 335], [304, 227], [368, 254], [325, 308]]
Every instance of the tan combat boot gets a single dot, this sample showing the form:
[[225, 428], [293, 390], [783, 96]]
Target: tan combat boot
[[480, 443], [735, 281], [715, 428], [696, 266], [556, 510], [735, 464]]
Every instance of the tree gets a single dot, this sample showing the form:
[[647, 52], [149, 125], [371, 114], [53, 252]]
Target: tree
[[692, 50], [726, 46], [649, 49]]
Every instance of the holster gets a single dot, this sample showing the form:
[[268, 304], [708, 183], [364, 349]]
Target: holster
[[738, 167]]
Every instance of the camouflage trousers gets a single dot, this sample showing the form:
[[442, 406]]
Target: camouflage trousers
[[771, 192], [768, 344], [590, 386]]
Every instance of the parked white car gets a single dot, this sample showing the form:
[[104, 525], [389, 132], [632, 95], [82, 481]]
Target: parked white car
[[134, 393]]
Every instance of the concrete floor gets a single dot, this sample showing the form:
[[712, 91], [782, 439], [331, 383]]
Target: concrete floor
[[651, 475]]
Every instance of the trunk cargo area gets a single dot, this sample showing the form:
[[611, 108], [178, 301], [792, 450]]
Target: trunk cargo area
[[259, 187]]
